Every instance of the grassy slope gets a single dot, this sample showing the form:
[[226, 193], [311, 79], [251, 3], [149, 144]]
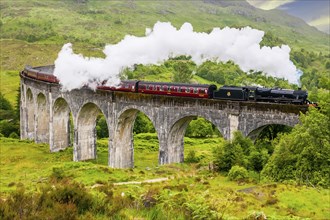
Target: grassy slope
[[31, 164]]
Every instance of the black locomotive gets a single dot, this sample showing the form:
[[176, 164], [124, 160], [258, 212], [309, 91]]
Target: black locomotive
[[259, 94]]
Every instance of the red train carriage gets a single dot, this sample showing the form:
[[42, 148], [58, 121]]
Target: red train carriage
[[124, 86], [43, 73], [176, 89]]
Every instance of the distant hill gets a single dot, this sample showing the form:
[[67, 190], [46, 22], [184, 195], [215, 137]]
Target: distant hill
[[98, 22]]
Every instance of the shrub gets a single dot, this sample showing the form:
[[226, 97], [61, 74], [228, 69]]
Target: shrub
[[58, 173], [150, 198], [73, 193], [257, 216], [13, 135], [199, 128], [191, 157], [102, 130], [7, 127], [238, 173]]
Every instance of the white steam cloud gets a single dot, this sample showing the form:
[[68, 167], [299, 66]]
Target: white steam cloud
[[241, 46]]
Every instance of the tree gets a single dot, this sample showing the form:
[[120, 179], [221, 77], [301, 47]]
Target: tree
[[242, 152], [143, 124], [6, 110], [258, 159], [231, 153], [303, 155], [102, 130], [18, 104], [245, 143], [327, 65], [9, 123], [183, 71], [199, 128]]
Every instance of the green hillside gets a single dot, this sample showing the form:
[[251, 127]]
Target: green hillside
[[101, 22]]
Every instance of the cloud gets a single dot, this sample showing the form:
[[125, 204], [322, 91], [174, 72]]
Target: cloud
[[268, 5], [321, 23]]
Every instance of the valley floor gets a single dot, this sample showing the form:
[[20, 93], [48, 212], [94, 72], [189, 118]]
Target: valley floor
[[149, 191]]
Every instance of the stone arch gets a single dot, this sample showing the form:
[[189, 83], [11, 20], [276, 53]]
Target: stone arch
[[253, 133], [61, 125], [30, 126], [217, 121], [175, 141], [85, 135], [121, 153], [42, 119], [137, 109]]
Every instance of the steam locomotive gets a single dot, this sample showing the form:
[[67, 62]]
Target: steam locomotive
[[233, 93]]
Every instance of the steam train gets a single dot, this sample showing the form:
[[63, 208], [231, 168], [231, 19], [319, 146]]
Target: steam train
[[233, 93]]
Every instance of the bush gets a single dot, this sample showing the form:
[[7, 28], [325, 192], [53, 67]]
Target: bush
[[191, 157], [143, 124], [73, 193], [103, 144], [147, 136], [13, 135], [58, 173], [7, 127], [238, 173], [199, 128], [102, 130]]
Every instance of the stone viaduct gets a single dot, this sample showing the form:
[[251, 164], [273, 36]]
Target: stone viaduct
[[46, 111]]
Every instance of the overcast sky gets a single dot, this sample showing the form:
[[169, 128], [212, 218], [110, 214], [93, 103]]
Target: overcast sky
[[314, 12]]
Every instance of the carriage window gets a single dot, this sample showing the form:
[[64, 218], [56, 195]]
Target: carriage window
[[148, 87], [182, 89], [187, 90], [165, 88], [195, 90], [143, 86], [201, 91]]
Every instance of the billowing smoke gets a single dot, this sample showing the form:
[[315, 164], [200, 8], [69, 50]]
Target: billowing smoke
[[241, 46]]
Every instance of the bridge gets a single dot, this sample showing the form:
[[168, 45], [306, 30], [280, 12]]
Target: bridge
[[46, 112]]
